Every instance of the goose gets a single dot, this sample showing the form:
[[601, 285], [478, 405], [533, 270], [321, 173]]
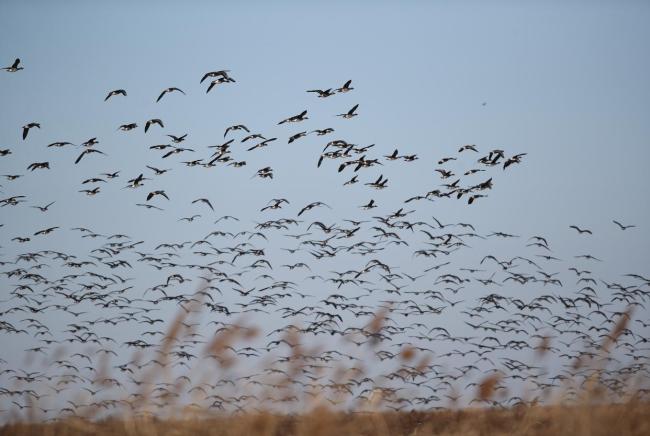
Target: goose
[[29, 126], [115, 92], [351, 113], [14, 67], [167, 90]]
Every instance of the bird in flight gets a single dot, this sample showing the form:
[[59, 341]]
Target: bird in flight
[[296, 118], [581, 231], [221, 73], [205, 201], [44, 208], [26, 128], [151, 122], [236, 127], [39, 166], [154, 193], [165, 91], [622, 227], [14, 67], [115, 92], [86, 152], [323, 93], [351, 113], [346, 87]]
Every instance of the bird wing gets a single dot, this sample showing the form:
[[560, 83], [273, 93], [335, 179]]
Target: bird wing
[[83, 153]]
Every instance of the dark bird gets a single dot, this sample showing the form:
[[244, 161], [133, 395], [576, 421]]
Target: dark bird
[[178, 139], [310, 206], [39, 166], [26, 128], [45, 231], [297, 136], [513, 160], [581, 231], [154, 193], [622, 227], [323, 93], [115, 92], [151, 122], [158, 171], [351, 113], [172, 89], [88, 151], [236, 127], [43, 208], [346, 87], [323, 132], [127, 127], [296, 118], [216, 82], [262, 144], [14, 67], [205, 201], [221, 73]]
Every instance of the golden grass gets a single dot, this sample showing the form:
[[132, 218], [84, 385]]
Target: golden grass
[[632, 418]]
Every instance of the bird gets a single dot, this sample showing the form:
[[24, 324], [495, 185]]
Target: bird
[[127, 127], [581, 231], [158, 171], [14, 67], [236, 127], [115, 92], [218, 82], [346, 87], [220, 73], [29, 126], [323, 93], [152, 194], [87, 152], [310, 206], [45, 231], [39, 166], [178, 139], [167, 90], [205, 201], [351, 113], [297, 136], [43, 208], [295, 118], [151, 122], [622, 227], [322, 132]]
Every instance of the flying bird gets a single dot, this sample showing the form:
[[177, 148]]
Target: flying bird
[[154, 193], [623, 227], [205, 201], [351, 113], [26, 128], [152, 121], [115, 92], [579, 230], [86, 152], [14, 67], [167, 90], [296, 118], [346, 87]]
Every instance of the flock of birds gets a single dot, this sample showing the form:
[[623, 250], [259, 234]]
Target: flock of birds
[[418, 318]]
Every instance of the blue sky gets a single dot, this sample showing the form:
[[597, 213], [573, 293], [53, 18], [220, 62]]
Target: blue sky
[[564, 82]]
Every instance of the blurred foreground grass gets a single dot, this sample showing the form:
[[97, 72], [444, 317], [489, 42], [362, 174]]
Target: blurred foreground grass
[[632, 418]]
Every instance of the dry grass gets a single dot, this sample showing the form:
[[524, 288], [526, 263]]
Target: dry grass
[[621, 419]]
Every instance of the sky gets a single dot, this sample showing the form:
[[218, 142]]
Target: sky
[[564, 82]]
